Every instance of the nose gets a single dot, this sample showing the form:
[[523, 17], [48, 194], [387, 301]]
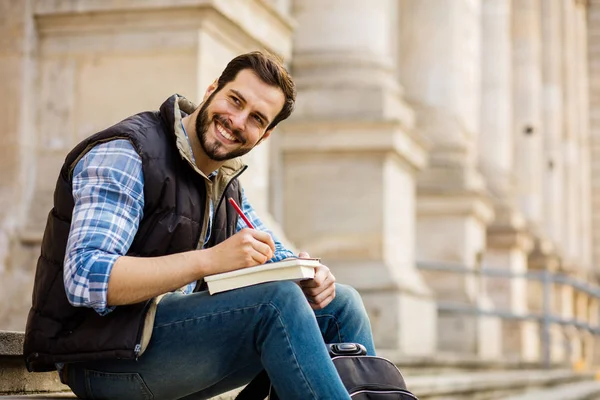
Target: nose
[[238, 121]]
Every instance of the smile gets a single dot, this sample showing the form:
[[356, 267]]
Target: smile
[[223, 132]]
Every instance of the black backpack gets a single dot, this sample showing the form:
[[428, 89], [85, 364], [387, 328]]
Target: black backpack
[[365, 377]]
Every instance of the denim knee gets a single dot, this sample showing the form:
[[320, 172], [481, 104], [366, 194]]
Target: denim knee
[[286, 294], [348, 298]]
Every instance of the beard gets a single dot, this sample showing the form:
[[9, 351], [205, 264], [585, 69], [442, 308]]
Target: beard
[[214, 150]]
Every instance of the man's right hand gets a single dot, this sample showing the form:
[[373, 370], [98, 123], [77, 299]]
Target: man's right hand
[[247, 248]]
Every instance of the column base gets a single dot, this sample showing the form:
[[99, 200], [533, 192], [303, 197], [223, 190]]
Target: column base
[[402, 321], [469, 334], [531, 348], [401, 307]]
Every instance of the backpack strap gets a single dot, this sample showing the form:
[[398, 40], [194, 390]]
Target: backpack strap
[[258, 388]]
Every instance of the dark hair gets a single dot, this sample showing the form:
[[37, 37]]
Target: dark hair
[[270, 70]]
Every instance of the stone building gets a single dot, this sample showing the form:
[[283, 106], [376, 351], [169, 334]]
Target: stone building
[[429, 135]]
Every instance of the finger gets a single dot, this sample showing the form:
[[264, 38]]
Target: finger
[[321, 305], [314, 291], [324, 294], [321, 275], [263, 249], [264, 237], [259, 258], [303, 254]]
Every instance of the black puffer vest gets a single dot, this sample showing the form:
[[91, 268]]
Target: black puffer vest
[[175, 203]]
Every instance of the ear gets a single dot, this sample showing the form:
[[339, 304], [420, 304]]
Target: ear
[[211, 88], [265, 136]]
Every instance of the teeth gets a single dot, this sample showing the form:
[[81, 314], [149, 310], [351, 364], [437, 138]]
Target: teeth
[[223, 132]]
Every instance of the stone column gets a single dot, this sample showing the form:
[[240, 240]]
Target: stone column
[[571, 150], [593, 34], [582, 313], [440, 64], [17, 66], [553, 161], [496, 142], [349, 156], [527, 75], [583, 112], [587, 311], [507, 241], [17, 160], [567, 303], [552, 115], [575, 149], [591, 343]]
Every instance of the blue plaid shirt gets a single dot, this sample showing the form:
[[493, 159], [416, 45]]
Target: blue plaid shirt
[[108, 190]]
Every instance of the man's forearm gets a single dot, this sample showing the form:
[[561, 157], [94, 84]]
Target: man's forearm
[[135, 279]]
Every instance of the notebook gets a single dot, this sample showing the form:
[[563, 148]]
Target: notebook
[[295, 269]]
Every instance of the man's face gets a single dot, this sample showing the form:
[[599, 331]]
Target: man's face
[[234, 119]]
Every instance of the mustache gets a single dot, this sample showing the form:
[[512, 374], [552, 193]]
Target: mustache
[[237, 133]]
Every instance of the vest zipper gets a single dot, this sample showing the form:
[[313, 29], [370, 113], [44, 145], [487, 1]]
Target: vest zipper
[[202, 237], [241, 171], [138, 340]]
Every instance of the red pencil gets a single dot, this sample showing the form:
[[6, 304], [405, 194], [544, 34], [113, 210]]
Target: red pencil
[[240, 213]]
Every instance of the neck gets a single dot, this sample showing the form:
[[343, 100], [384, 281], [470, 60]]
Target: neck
[[203, 162]]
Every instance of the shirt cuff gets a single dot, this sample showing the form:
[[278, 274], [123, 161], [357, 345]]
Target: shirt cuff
[[101, 266]]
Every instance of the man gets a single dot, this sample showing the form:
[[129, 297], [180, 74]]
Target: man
[[119, 305]]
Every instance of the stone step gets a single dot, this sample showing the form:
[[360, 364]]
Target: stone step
[[491, 384], [444, 376], [537, 384], [575, 391], [14, 377]]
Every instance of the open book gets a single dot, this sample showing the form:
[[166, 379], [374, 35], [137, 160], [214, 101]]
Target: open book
[[296, 269]]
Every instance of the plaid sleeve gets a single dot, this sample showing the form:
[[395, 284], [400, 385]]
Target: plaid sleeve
[[109, 200], [281, 252]]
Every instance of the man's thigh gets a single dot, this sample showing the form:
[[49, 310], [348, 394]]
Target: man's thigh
[[199, 342]]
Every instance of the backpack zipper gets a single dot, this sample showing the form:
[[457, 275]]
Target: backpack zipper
[[407, 393]]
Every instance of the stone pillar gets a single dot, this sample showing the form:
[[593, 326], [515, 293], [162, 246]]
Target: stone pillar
[[592, 345], [553, 161], [584, 137], [440, 63], [496, 142], [582, 314], [527, 108], [349, 156], [507, 241], [559, 348], [18, 48], [567, 303], [552, 114], [507, 249], [17, 66], [572, 152], [593, 34], [576, 150]]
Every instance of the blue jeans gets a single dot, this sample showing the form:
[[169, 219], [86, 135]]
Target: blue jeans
[[205, 345]]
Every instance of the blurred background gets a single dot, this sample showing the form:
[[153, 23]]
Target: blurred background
[[443, 157]]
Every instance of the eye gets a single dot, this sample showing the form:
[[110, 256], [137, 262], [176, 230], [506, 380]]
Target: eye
[[236, 100], [258, 119]]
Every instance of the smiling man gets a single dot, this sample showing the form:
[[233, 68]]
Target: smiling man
[[119, 303]]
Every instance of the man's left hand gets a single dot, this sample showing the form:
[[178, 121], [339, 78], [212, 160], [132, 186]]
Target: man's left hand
[[320, 290]]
